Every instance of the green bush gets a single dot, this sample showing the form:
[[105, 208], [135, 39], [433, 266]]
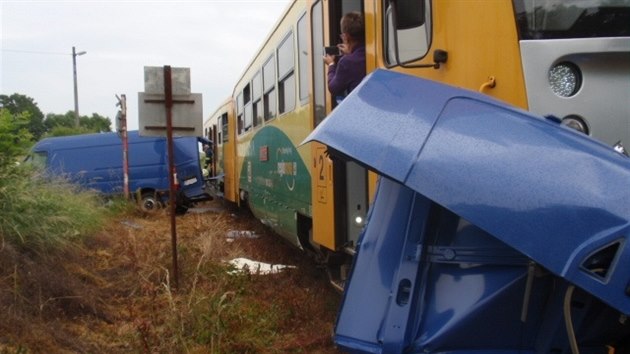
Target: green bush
[[39, 213], [14, 136]]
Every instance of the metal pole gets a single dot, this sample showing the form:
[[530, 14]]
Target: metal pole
[[168, 97], [123, 125], [76, 89]]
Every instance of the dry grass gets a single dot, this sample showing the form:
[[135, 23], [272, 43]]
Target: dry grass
[[114, 293]]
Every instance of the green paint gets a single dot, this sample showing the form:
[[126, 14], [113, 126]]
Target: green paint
[[277, 180]]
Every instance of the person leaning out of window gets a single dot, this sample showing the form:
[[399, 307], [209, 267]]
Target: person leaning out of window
[[347, 72]]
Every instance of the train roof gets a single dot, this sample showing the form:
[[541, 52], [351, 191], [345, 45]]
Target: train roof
[[555, 195]]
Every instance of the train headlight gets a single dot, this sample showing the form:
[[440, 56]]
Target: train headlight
[[577, 123], [565, 79]]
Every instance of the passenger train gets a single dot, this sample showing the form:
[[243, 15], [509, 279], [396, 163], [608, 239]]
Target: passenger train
[[565, 60]]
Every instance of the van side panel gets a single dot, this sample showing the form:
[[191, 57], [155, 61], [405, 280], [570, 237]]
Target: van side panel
[[95, 161]]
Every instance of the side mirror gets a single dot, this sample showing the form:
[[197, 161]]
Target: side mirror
[[408, 13]]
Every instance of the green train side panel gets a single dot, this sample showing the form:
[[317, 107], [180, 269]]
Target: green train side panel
[[277, 181]]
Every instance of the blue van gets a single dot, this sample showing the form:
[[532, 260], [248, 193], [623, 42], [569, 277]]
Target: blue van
[[95, 161]]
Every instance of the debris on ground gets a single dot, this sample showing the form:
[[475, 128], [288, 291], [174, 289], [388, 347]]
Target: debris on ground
[[233, 234], [131, 224], [254, 267]]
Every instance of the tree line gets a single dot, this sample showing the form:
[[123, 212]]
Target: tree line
[[27, 117]]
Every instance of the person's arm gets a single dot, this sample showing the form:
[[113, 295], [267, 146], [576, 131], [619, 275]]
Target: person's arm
[[337, 80]]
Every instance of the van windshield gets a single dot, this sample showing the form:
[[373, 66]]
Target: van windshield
[[37, 159], [554, 19]]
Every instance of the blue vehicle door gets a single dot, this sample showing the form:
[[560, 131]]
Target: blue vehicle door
[[490, 230]]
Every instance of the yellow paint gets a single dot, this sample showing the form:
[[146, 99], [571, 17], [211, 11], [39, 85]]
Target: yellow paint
[[322, 197], [481, 40], [483, 55], [227, 151]]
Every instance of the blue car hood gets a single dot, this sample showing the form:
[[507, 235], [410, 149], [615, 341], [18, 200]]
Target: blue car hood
[[553, 194]]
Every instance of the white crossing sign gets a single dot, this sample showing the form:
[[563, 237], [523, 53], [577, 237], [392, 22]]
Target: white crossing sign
[[186, 109]]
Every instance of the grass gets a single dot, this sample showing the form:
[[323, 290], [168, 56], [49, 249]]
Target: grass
[[216, 312], [40, 214], [80, 275]]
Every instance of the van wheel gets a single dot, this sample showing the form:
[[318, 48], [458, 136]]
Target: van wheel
[[149, 202]]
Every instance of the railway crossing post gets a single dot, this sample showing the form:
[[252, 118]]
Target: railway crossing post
[[168, 108]]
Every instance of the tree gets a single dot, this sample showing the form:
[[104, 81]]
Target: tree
[[64, 124], [59, 120], [14, 136], [17, 104], [53, 124], [96, 123]]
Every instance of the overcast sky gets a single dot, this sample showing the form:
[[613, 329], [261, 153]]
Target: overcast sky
[[216, 39]]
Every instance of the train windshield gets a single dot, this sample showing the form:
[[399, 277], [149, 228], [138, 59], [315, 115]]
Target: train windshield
[[555, 19]]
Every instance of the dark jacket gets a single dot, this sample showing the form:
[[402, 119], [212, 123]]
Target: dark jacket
[[344, 76]]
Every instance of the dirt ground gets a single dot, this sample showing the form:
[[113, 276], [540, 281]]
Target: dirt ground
[[116, 293]]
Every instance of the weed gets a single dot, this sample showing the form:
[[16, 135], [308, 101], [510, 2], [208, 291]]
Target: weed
[[39, 214], [111, 291]]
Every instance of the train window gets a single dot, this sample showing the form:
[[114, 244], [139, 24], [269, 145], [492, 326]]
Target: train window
[[239, 103], [257, 86], [285, 56], [248, 120], [286, 76], [554, 19], [258, 112], [319, 82], [247, 109], [246, 94], [407, 30], [239, 113], [240, 124], [269, 75], [224, 128], [286, 94], [303, 58], [257, 99], [269, 84], [270, 105]]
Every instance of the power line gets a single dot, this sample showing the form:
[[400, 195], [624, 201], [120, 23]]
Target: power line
[[33, 52]]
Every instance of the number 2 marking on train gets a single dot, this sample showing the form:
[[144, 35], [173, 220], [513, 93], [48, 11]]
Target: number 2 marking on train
[[321, 167]]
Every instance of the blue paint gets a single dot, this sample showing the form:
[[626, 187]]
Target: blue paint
[[472, 193]]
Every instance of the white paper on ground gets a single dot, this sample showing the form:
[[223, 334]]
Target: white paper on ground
[[255, 267]]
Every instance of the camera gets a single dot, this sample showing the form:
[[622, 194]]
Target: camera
[[332, 50]]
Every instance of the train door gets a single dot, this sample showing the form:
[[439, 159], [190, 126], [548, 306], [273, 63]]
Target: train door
[[321, 181], [225, 153], [340, 188], [213, 161]]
